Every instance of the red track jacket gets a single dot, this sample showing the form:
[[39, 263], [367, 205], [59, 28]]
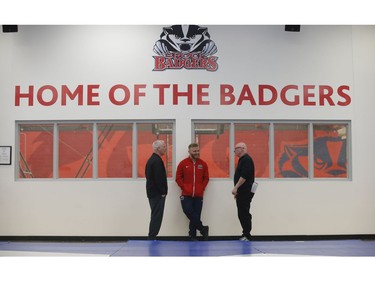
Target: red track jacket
[[192, 178]]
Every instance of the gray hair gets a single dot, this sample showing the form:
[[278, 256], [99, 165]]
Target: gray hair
[[156, 144]]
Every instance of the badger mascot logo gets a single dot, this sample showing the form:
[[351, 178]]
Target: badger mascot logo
[[185, 46]]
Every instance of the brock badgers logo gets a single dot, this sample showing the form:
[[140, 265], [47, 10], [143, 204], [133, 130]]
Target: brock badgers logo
[[185, 46]]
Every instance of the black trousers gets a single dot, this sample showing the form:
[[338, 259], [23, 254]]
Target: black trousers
[[157, 210], [192, 207], [243, 200]]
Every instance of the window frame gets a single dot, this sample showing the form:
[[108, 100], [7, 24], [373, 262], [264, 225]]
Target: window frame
[[95, 147], [310, 127]]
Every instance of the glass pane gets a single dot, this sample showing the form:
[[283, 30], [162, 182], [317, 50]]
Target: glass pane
[[213, 140], [147, 134], [36, 151], [115, 150], [291, 151], [256, 137], [75, 150], [330, 151]]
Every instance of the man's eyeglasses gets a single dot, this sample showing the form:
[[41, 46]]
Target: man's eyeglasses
[[238, 147]]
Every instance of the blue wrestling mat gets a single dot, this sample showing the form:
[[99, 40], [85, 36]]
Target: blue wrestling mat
[[146, 248]]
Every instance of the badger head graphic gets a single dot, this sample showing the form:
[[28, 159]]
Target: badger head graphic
[[330, 159], [185, 39]]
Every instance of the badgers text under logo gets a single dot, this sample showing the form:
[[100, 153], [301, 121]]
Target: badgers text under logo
[[185, 46]]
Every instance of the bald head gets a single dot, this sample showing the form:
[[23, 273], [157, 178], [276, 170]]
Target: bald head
[[240, 149]]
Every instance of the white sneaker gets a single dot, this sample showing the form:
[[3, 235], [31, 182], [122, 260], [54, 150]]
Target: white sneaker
[[244, 238]]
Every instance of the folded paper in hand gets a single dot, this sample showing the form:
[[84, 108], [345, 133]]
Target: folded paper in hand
[[254, 187]]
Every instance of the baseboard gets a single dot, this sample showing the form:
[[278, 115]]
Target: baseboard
[[184, 238]]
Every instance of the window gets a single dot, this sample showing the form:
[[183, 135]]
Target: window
[[256, 136], [291, 150], [115, 150], [90, 150], [35, 150], [279, 149], [75, 150], [147, 134], [330, 150], [213, 139]]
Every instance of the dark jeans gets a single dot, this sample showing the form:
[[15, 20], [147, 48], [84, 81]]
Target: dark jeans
[[243, 200], [192, 207], [157, 210]]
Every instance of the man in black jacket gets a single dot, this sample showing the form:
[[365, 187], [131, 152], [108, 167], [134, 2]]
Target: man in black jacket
[[243, 181], [156, 187]]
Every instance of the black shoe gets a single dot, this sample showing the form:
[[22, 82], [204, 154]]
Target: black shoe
[[204, 232], [193, 238]]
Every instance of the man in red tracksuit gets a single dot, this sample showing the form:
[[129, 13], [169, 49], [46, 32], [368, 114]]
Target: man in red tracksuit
[[192, 177]]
